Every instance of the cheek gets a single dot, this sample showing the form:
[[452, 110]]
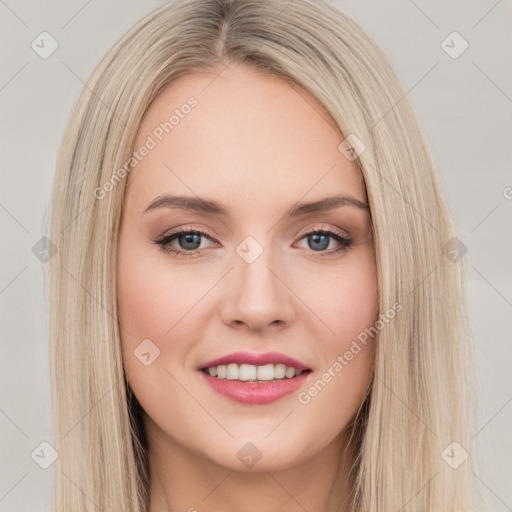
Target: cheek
[[153, 304], [150, 304], [347, 301], [164, 305], [349, 307], [152, 300]]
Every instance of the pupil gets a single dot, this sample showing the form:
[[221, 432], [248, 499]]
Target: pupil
[[317, 243], [191, 238]]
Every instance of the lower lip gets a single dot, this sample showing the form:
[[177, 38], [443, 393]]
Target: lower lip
[[255, 392]]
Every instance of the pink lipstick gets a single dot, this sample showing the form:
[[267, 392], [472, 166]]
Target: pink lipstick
[[254, 378]]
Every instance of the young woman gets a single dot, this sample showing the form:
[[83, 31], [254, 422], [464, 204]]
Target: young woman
[[257, 300]]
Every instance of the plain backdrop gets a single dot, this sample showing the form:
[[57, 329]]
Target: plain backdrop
[[464, 104]]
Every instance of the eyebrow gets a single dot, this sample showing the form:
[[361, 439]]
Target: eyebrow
[[199, 205]]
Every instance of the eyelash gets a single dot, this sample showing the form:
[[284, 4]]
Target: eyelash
[[164, 242]]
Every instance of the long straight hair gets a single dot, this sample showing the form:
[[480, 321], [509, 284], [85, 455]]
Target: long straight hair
[[418, 404]]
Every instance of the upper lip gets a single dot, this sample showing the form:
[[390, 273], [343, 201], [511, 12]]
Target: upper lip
[[256, 360]]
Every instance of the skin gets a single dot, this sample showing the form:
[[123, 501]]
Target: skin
[[257, 146]]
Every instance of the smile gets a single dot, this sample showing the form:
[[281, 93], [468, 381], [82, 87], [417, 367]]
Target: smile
[[252, 373], [255, 378]]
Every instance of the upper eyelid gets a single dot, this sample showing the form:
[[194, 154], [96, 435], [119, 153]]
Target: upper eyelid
[[180, 231]]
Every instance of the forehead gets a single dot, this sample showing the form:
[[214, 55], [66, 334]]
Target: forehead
[[249, 137]]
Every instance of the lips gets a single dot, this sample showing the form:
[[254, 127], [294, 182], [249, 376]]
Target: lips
[[255, 393], [255, 378], [256, 360]]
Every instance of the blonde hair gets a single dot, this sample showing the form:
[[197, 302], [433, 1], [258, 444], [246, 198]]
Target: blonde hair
[[420, 394]]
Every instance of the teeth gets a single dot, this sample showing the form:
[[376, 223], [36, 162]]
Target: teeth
[[267, 372], [232, 371], [290, 372], [249, 372], [280, 371]]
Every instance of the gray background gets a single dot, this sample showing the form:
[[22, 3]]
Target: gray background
[[464, 104]]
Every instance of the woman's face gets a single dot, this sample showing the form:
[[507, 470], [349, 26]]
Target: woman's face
[[251, 276]]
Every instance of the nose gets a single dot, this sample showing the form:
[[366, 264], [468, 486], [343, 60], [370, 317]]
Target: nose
[[257, 295]]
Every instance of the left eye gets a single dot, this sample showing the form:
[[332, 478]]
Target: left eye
[[319, 240], [190, 241]]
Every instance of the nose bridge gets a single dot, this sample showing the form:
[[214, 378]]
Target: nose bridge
[[255, 268], [260, 296]]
